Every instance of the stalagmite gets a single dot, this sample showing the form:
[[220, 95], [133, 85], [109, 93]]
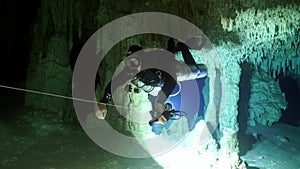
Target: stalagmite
[[262, 108]]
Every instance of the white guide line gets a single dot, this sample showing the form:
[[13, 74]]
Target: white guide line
[[57, 95]]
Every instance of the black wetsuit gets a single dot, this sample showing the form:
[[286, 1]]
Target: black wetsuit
[[169, 83]]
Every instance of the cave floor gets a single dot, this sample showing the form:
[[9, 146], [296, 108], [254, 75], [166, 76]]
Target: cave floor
[[65, 148], [276, 147], [38, 142]]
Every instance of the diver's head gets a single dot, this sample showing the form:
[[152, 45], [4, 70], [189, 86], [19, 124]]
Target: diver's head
[[133, 48], [133, 61]]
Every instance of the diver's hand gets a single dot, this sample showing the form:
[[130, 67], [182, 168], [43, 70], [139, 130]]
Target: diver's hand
[[157, 128], [102, 111]]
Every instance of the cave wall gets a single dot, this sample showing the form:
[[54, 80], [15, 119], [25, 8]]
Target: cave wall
[[263, 33], [223, 22], [15, 32], [58, 24], [268, 40]]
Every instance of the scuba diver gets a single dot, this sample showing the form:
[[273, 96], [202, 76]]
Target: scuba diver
[[158, 83]]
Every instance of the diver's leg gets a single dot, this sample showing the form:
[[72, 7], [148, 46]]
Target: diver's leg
[[186, 54], [199, 69], [153, 100], [172, 47]]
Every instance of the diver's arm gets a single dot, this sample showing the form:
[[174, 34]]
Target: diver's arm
[[107, 94], [168, 87], [119, 80], [102, 110], [160, 107]]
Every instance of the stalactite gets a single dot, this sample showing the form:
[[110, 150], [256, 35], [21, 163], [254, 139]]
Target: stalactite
[[69, 12], [269, 65], [273, 30], [44, 18], [283, 65], [298, 66]]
